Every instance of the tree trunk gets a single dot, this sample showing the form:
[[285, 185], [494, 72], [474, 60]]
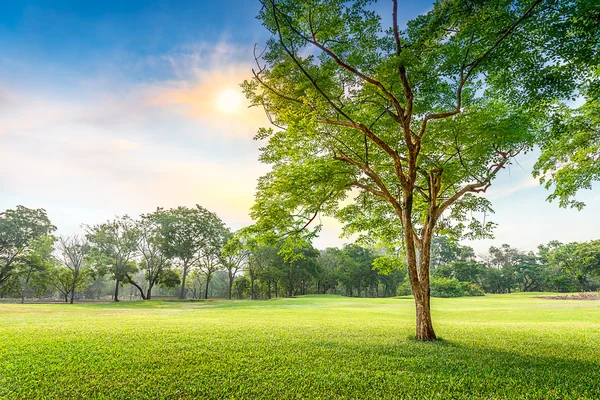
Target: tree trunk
[[116, 295], [206, 291], [183, 276], [67, 298], [418, 268], [229, 293], [132, 283], [424, 330]]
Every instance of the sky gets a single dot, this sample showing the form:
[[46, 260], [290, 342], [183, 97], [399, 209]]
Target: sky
[[118, 107]]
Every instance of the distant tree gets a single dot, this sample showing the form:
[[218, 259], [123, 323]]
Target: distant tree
[[186, 235], [445, 251], [529, 272], [233, 258], [391, 271], [331, 260], [210, 262], [263, 262], [72, 251], [299, 265], [358, 269], [588, 257], [114, 245], [241, 285], [156, 265], [19, 229], [33, 267]]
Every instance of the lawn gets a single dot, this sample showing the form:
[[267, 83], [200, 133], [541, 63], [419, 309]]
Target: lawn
[[492, 347]]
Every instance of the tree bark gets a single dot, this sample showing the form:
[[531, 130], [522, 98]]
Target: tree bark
[[206, 291], [424, 329], [116, 295], [183, 276], [131, 282]]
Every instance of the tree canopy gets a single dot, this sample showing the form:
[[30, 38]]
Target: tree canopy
[[411, 124]]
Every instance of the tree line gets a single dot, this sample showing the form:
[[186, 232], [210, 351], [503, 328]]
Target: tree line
[[182, 250]]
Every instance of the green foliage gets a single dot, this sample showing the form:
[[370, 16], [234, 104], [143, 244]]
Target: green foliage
[[20, 230], [387, 265], [471, 289], [114, 247], [571, 152], [314, 347], [444, 287], [389, 130]]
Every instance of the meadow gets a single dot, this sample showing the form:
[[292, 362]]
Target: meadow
[[494, 347]]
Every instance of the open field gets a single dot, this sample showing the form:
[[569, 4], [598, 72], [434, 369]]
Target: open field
[[502, 346]]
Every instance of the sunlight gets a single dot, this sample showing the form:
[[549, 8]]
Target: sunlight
[[230, 101]]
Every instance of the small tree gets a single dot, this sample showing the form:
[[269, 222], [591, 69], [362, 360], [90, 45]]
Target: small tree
[[72, 251]]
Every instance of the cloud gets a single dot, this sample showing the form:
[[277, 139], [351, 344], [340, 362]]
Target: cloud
[[128, 147], [507, 189], [206, 83]]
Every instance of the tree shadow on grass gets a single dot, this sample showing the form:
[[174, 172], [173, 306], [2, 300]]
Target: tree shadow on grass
[[452, 370]]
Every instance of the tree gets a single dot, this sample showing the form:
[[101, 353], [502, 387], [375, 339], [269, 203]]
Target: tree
[[31, 268], [391, 271], [72, 251], [581, 260], [233, 258], [445, 251], [114, 244], [529, 272], [155, 264], [415, 122], [19, 230], [185, 234]]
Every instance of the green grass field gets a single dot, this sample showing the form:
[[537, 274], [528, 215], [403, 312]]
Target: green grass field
[[493, 347]]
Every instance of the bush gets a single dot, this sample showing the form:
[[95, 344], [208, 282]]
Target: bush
[[404, 289], [444, 287], [471, 289]]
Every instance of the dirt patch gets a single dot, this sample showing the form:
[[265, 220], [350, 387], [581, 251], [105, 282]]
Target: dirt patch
[[578, 296]]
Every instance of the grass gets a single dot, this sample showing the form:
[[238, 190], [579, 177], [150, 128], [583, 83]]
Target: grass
[[493, 347]]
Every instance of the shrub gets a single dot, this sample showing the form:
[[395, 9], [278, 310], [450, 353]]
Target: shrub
[[471, 289], [444, 287]]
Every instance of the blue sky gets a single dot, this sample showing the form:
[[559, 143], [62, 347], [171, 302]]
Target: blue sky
[[112, 107]]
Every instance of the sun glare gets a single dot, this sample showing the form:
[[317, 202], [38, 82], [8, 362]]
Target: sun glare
[[229, 101]]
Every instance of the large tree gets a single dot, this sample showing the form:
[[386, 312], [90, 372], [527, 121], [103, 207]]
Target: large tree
[[412, 123], [19, 229], [32, 269], [187, 234]]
